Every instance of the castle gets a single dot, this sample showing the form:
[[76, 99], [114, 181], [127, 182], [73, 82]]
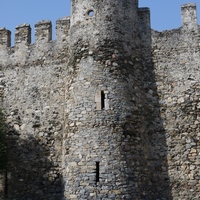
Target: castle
[[110, 110]]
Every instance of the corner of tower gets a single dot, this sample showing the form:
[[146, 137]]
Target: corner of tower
[[144, 24]]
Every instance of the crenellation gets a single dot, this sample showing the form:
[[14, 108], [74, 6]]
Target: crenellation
[[23, 35], [43, 50], [62, 29], [189, 17], [144, 15], [5, 38], [43, 32], [144, 24], [187, 36]]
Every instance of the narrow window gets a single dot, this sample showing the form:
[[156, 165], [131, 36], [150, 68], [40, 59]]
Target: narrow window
[[6, 185], [3, 184], [102, 100], [97, 172]]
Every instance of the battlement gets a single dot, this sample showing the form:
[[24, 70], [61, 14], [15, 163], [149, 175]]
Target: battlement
[[25, 52], [189, 16], [186, 36], [43, 29], [5, 37], [43, 33]]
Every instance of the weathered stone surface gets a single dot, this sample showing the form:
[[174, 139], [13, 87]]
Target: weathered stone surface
[[109, 110], [175, 57]]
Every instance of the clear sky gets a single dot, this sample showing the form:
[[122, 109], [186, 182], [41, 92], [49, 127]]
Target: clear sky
[[165, 14]]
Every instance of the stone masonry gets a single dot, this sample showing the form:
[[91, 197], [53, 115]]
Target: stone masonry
[[110, 110]]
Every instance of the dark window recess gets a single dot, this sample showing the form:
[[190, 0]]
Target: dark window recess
[[102, 100], [97, 172]]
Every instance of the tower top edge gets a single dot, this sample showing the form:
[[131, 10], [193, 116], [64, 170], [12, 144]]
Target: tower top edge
[[188, 5]]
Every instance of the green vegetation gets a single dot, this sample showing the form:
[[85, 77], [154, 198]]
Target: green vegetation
[[3, 146]]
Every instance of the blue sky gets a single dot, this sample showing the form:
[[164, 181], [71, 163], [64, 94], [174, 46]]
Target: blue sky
[[165, 14]]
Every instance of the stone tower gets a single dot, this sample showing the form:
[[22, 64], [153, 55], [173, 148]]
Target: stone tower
[[105, 102]]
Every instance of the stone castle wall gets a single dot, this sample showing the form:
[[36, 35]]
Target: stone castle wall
[[33, 78], [141, 143], [175, 57]]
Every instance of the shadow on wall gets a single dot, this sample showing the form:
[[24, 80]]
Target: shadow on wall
[[159, 181], [145, 138], [155, 177], [31, 174], [156, 137]]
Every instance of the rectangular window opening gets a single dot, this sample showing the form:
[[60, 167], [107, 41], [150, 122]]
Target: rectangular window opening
[[102, 100], [6, 185], [97, 172]]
